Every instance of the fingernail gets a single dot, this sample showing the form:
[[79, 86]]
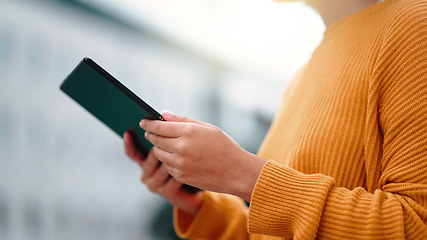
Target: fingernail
[[142, 123], [167, 114]]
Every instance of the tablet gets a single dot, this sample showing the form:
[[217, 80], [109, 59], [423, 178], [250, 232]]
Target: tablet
[[112, 103], [109, 101]]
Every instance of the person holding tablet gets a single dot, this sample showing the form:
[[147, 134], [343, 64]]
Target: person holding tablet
[[345, 158]]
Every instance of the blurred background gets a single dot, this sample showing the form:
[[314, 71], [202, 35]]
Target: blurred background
[[63, 175]]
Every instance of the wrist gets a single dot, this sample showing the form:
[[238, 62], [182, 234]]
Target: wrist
[[193, 203], [245, 181]]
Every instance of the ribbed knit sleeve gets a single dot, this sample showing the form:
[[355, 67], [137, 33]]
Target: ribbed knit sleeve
[[287, 203], [392, 204]]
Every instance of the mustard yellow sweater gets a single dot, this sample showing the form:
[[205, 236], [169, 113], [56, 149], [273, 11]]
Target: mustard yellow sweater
[[348, 148]]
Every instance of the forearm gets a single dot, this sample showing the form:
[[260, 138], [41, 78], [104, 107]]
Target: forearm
[[287, 203]]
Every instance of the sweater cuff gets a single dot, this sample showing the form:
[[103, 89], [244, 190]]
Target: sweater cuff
[[187, 225], [288, 203], [217, 213]]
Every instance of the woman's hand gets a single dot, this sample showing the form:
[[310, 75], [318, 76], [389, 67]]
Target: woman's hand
[[201, 155], [157, 179]]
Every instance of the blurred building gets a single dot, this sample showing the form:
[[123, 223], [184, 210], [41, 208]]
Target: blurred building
[[63, 175]]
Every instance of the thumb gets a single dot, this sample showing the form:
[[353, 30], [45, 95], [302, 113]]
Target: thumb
[[169, 116]]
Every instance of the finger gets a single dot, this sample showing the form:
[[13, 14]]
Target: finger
[[149, 166], [176, 127], [162, 128], [171, 117], [165, 157], [170, 187], [165, 143], [158, 179], [130, 149]]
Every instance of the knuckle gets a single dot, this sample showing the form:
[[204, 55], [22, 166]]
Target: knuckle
[[162, 192], [156, 152], [189, 129], [185, 148], [151, 188], [179, 166], [143, 179], [150, 137], [182, 147], [179, 163]]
